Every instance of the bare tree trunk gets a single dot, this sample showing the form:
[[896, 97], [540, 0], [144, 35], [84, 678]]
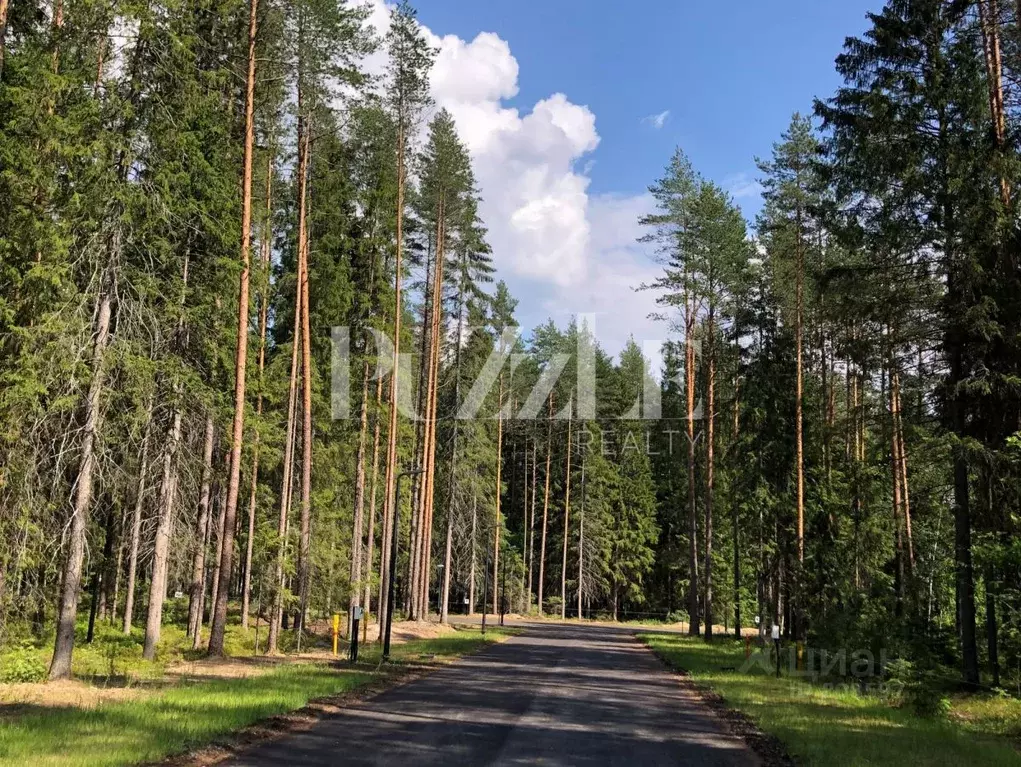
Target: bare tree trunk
[[304, 540], [164, 531], [903, 461], [797, 590], [689, 382], [356, 527], [434, 381], [710, 474], [447, 552], [4, 8], [67, 609], [168, 500], [989, 18], [266, 247], [497, 523], [736, 433], [216, 634], [288, 469], [567, 510], [117, 569], [545, 504], [198, 562], [531, 526], [136, 524], [389, 501], [372, 506], [447, 555], [895, 476], [214, 576], [581, 543], [471, 575]]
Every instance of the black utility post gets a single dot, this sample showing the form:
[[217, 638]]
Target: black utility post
[[503, 587], [485, 596], [393, 562], [776, 643]]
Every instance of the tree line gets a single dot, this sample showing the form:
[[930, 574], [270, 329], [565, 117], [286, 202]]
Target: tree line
[[862, 349], [195, 192]]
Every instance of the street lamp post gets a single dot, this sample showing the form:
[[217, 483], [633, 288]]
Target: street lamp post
[[485, 595], [393, 562], [503, 587]]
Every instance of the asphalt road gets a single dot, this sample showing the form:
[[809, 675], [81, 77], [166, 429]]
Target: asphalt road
[[554, 695]]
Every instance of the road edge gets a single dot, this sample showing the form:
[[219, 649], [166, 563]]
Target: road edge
[[305, 718], [770, 750]]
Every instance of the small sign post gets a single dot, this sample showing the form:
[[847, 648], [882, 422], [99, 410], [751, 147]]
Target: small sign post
[[776, 644], [356, 618], [336, 631]]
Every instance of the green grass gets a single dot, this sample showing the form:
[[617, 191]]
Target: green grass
[[828, 726], [192, 714]]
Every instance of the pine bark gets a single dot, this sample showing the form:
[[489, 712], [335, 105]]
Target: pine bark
[[694, 619], [136, 525], [219, 626], [288, 469], [710, 474], [499, 493], [567, 510], [4, 9], [168, 499], [67, 609], [545, 505], [164, 531], [389, 500], [372, 505], [198, 562], [266, 247], [305, 530], [531, 526]]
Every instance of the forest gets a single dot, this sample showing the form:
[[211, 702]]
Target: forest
[[195, 195]]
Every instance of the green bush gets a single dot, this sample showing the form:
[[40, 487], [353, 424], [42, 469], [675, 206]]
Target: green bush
[[917, 688], [22, 664]]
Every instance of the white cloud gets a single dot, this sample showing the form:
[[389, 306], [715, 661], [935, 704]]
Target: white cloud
[[562, 250], [657, 121], [742, 186]]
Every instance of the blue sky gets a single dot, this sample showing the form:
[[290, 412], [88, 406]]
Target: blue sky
[[730, 74], [557, 102]]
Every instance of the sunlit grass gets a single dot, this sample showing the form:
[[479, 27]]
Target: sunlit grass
[[193, 713], [830, 726]]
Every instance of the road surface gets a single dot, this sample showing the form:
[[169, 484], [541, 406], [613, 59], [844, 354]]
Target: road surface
[[553, 695]]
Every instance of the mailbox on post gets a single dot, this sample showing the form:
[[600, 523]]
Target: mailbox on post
[[356, 619]]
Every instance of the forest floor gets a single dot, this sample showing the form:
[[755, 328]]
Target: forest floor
[[121, 710], [826, 724]]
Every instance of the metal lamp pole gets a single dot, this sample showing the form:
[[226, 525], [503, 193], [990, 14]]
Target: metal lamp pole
[[393, 563]]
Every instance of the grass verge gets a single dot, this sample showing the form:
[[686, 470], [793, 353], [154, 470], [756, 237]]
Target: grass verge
[[825, 726], [194, 713]]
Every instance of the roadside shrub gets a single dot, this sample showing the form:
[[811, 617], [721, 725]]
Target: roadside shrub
[[22, 664], [918, 689]]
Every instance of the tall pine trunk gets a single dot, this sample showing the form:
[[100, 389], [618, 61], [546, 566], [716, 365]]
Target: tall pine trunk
[[567, 510], [136, 524], [168, 499], [710, 474], [694, 619], [266, 247], [219, 625], [389, 500], [71, 576], [545, 505], [497, 520], [198, 562], [372, 505]]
